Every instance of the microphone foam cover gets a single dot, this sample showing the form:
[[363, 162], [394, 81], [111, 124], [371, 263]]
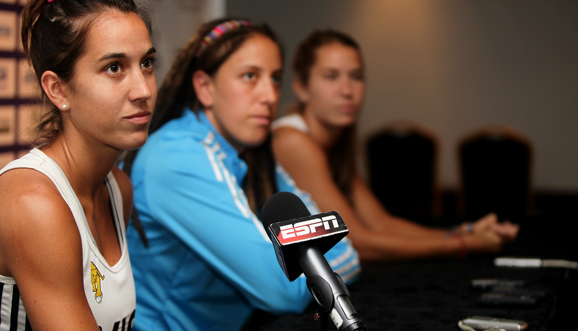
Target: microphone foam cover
[[282, 206]]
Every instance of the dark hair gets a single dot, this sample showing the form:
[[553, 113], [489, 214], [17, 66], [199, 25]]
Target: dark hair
[[54, 37], [341, 156], [177, 94], [306, 56]]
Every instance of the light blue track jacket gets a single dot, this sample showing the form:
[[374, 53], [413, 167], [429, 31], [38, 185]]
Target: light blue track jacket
[[210, 262]]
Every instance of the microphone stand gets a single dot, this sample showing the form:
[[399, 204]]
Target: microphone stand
[[327, 289], [323, 320], [323, 296]]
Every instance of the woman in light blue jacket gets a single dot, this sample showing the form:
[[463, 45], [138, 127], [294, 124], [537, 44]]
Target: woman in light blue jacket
[[202, 259]]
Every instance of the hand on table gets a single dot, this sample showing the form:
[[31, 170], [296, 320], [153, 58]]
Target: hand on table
[[488, 235], [507, 230]]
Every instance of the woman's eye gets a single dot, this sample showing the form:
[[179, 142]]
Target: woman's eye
[[250, 76], [148, 63], [357, 76], [114, 68], [330, 76], [277, 80]]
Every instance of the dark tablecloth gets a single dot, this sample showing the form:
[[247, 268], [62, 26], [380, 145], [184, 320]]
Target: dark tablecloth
[[436, 294]]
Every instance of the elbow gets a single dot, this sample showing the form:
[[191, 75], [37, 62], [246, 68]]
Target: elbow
[[369, 254], [366, 251]]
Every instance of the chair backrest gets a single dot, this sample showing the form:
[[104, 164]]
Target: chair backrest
[[496, 166], [402, 158]]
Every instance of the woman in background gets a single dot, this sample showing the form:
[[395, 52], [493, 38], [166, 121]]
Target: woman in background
[[64, 262], [203, 260], [316, 146]]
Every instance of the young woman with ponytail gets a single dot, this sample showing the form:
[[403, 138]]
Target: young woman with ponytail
[[316, 146], [202, 259], [64, 261]]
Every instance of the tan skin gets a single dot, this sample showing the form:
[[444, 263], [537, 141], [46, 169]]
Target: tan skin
[[332, 98], [109, 103], [241, 99]]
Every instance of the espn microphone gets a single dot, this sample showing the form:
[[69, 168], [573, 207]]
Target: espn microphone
[[300, 240]]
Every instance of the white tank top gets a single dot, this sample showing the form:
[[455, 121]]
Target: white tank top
[[109, 290], [294, 121]]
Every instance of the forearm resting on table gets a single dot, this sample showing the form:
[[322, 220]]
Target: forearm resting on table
[[391, 247]]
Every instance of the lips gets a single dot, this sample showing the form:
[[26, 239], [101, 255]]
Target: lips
[[264, 120], [347, 108], [140, 117]]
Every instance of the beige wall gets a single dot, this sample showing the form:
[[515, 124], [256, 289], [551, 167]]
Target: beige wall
[[174, 22], [454, 65]]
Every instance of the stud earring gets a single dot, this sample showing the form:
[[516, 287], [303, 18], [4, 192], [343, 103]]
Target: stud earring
[[64, 107]]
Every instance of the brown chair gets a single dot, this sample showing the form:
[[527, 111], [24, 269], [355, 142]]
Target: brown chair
[[402, 168], [496, 172]]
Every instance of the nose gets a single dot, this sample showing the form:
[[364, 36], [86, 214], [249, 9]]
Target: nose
[[346, 88], [143, 86], [270, 93]]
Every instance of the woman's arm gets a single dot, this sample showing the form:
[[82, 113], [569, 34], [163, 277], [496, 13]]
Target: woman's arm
[[343, 258], [191, 193], [41, 249], [374, 233], [368, 208]]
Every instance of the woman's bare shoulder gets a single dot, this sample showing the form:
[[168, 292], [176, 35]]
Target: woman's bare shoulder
[[302, 157], [35, 218], [291, 141], [28, 187]]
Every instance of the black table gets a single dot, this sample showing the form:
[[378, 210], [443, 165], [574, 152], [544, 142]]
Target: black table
[[436, 294]]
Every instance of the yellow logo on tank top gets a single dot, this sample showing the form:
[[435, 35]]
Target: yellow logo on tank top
[[95, 278]]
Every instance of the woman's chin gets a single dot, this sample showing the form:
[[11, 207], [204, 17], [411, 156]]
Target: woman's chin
[[253, 143], [133, 143], [344, 122]]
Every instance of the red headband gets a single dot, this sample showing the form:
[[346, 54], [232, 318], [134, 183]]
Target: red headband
[[218, 31]]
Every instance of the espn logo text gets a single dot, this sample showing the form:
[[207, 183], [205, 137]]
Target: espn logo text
[[308, 227]]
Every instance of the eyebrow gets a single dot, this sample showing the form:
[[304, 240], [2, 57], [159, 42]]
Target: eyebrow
[[329, 69], [333, 69], [123, 55], [251, 67]]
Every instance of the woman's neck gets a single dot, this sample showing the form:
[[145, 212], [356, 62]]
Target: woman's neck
[[215, 123], [85, 165], [326, 135]]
